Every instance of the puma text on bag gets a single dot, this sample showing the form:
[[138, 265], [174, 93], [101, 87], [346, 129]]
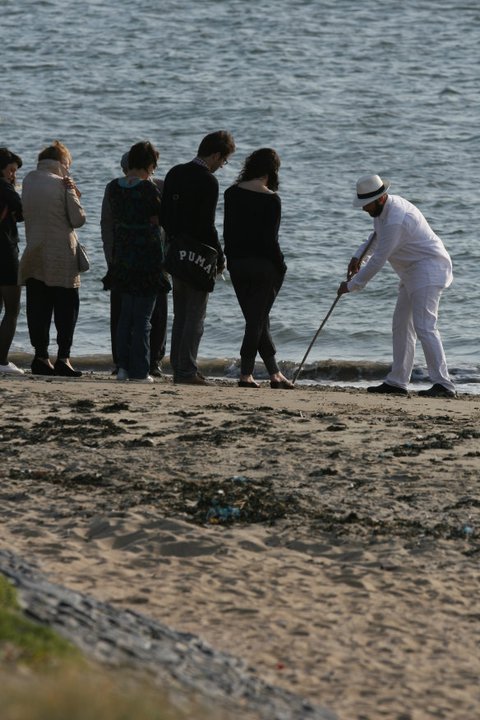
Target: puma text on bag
[[192, 262]]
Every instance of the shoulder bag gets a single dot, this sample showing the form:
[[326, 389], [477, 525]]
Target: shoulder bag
[[81, 253], [191, 261], [82, 258]]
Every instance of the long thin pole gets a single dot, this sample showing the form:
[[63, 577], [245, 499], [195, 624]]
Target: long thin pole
[[297, 373]]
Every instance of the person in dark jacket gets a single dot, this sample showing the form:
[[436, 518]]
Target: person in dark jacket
[[159, 319], [255, 261], [137, 261], [10, 290], [189, 202]]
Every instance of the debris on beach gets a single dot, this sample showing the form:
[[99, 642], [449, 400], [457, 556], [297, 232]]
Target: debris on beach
[[235, 499]]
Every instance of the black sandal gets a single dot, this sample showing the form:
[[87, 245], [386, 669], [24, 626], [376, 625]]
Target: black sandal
[[248, 384], [281, 385]]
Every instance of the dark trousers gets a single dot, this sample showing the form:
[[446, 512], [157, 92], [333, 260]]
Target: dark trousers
[[158, 332], [189, 310], [44, 301], [10, 304], [256, 282], [133, 334]]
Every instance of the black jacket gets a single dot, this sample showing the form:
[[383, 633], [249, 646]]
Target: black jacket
[[10, 213], [251, 225], [189, 202]]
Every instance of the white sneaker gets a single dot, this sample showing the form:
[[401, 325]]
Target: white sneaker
[[122, 374], [148, 379], [11, 369]]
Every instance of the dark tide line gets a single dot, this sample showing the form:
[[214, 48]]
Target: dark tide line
[[230, 367], [329, 371]]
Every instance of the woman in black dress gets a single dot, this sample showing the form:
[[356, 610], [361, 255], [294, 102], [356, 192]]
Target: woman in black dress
[[10, 214], [255, 261]]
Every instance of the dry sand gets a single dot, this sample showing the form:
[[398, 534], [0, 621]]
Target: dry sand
[[350, 577]]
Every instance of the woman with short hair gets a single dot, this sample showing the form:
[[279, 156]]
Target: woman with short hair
[[137, 259]]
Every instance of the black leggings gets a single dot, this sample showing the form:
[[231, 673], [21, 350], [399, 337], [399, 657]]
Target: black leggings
[[10, 303], [44, 301], [256, 282]]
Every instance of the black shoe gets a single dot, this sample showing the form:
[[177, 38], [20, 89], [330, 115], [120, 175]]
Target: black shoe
[[386, 389], [196, 379], [438, 390], [39, 367], [156, 370], [63, 370]]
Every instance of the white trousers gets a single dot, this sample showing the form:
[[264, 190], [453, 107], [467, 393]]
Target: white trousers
[[415, 316]]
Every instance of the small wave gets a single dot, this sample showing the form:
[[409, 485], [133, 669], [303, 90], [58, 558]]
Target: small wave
[[328, 372], [341, 370]]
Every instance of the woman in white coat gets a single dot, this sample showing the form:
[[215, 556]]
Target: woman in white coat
[[49, 264]]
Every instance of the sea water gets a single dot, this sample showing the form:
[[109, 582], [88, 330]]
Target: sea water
[[338, 88]]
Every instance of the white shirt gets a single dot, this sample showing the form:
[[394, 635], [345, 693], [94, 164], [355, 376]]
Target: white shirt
[[406, 240]]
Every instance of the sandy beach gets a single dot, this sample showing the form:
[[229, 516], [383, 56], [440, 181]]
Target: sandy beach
[[329, 538]]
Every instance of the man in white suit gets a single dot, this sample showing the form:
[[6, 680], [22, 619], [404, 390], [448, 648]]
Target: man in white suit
[[404, 238]]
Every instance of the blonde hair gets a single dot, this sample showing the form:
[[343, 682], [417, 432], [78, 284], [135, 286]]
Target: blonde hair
[[56, 151]]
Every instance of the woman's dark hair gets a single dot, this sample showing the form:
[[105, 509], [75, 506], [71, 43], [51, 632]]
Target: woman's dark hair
[[56, 151], [142, 155], [261, 162], [220, 141], [7, 157]]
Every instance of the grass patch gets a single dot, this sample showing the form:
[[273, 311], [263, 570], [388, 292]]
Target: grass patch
[[90, 695], [24, 642]]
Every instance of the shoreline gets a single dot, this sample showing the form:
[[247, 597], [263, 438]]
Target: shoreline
[[349, 574], [331, 374]]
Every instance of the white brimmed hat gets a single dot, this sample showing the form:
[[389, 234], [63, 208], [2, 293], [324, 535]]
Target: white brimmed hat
[[370, 188]]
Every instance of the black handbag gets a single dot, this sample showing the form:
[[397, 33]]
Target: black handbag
[[82, 258], [192, 262], [83, 261]]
